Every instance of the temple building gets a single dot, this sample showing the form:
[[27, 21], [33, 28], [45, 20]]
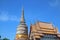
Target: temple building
[[22, 29], [43, 31], [38, 31]]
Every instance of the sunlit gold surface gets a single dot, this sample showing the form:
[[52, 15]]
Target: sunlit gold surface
[[21, 36]]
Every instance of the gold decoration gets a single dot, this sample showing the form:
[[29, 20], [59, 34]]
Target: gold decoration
[[21, 36]]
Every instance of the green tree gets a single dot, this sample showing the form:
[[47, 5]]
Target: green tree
[[0, 38], [5, 39]]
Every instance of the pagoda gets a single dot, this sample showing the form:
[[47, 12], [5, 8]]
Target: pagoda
[[22, 29]]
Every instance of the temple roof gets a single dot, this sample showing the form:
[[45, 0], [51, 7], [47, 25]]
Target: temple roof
[[43, 28]]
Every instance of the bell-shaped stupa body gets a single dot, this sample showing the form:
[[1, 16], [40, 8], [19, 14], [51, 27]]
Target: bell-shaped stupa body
[[22, 29]]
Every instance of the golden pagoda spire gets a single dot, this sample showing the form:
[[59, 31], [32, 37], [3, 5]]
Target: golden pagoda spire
[[22, 29], [22, 16]]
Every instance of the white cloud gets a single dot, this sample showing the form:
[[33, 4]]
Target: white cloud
[[4, 16], [54, 3]]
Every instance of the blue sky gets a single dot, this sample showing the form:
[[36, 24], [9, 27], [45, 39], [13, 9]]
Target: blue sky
[[42, 10]]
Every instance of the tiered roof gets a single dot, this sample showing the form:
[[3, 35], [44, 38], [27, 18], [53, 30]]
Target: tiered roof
[[41, 28]]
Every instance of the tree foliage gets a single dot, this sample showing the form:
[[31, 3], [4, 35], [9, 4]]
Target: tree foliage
[[5, 39], [0, 36]]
